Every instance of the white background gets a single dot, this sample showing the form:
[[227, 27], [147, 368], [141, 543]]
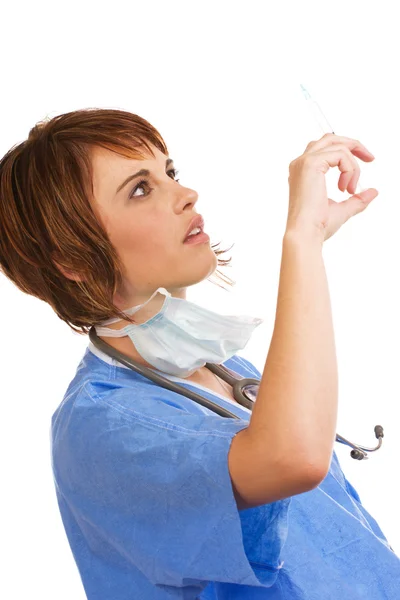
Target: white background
[[220, 81]]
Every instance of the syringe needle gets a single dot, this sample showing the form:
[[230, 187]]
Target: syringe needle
[[322, 121]]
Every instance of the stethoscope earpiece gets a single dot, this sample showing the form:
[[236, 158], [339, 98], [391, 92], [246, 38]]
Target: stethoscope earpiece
[[358, 455], [360, 452]]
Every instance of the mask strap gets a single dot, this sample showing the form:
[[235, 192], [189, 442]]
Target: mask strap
[[134, 309]]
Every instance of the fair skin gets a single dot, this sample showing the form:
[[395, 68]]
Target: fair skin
[[147, 231]]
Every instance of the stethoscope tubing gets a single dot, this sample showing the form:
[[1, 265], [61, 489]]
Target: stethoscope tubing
[[358, 452], [156, 378]]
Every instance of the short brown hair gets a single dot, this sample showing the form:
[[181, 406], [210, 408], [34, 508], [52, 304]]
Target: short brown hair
[[46, 216]]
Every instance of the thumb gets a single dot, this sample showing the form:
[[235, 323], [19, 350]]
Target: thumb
[[358, 202]]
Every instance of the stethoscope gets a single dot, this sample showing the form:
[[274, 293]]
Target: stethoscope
[[244, 391]]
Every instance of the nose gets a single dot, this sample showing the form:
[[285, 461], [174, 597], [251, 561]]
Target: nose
[[187, 196]]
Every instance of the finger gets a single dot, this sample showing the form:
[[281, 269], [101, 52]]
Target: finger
[[355, 146], [352, 185], [345, 181], [336, 156], [349, 178]]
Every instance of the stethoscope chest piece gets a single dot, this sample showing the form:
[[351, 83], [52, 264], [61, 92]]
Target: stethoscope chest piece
[[244, 389]]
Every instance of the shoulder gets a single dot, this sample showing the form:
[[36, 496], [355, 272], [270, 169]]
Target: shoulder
[[142, 408]]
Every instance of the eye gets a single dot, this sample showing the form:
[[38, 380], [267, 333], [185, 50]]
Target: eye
[[144, 184], [174, 173]]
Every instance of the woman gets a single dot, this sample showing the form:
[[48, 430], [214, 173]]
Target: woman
[[160, 497]]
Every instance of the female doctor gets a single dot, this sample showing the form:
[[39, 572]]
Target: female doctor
[[160, 496]]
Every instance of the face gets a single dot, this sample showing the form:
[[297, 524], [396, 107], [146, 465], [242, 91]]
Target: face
[[146, 219]]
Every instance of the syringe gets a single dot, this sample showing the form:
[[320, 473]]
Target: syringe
[[322, 121]]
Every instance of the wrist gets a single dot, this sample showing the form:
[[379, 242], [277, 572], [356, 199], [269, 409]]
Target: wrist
[[304, 233]]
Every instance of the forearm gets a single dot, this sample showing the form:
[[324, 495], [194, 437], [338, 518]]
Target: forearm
[[296, 407]]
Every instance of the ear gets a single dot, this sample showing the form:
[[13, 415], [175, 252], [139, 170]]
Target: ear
[[68, 274]]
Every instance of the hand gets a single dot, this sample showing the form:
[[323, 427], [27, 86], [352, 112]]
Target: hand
[[309, 205]]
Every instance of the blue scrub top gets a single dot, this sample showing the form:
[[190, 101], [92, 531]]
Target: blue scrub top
[[143, 487]]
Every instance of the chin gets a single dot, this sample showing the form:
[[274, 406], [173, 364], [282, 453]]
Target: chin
[[209, 267], [196, 271]]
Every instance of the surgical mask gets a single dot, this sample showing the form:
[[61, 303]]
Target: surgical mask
[[183, 336]]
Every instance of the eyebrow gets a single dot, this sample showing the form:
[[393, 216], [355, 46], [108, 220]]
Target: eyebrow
[[141, 173]]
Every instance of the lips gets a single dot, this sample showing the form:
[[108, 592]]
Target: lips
[[197, 221]]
